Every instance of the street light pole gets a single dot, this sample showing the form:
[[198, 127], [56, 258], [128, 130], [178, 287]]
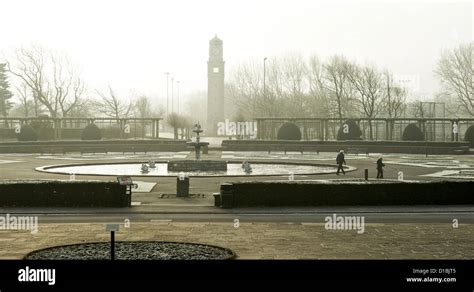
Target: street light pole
[[172, 95], [264, 84], [178, 95], [167, 92]]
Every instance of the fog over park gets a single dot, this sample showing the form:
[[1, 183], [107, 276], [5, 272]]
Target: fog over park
[[127, 46]]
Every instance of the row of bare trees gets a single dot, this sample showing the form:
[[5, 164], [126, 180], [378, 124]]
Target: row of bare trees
[[294, 87], [336, 88], [456, 72], [339, 88], [52, 80], [49, 84]]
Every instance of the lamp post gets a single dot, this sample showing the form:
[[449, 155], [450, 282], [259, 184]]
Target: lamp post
[[172, 95], [167, 92], [177, 82], [264, 84]]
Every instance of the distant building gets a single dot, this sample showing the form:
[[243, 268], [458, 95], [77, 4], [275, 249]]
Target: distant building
[[215, 86]]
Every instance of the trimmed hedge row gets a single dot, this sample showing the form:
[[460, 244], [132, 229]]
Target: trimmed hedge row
[[63, 194], [43, 130], [414, 147], [250, 194], [78, 145]]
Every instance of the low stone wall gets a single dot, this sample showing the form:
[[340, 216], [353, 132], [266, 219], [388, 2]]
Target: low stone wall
[[344, 193], [37, 193], [348, 146], [89, 146]]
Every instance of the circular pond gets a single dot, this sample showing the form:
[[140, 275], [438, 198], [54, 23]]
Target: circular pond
[[233, 169]]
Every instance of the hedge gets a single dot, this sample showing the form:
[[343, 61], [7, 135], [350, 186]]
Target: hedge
[[469, 136], [91, 132], [62, 194], [249, 194], [289, 131], [413, 133], [27, 133], [353, 131]]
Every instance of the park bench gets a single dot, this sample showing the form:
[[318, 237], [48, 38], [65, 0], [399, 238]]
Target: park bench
[[357, 150], [52, 150], [93, 150], [129, 185]]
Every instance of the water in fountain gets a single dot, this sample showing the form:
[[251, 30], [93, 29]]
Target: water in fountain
[[197, 164]]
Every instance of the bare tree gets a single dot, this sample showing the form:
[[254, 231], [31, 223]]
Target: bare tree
[[85, 108], [456, 74], [142, 107], [337, 84], [111, 106], [54, 81], [177, 122], [319, 97], [417, 109], [246, 89], [25, 101], [275, 97], [394, 97], [295, 74], [367, 82]]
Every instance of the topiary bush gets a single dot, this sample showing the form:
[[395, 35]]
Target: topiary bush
[[413, 133], [27, 133], [349, 131], [289, 131], [91, 132], [469, 136]]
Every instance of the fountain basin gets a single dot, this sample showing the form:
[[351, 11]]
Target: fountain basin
[[234, 168]]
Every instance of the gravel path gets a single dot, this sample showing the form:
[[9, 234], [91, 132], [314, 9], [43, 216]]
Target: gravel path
[[133, 250]]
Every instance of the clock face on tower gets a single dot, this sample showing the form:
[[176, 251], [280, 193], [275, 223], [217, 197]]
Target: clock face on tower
[[215, 51]]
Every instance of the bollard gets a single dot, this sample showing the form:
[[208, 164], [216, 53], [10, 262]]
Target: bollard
[[182, 187], [366, 172], [112, 245], [226, 197]]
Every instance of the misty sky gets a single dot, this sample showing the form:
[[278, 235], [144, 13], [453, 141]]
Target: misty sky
[[130, 44]]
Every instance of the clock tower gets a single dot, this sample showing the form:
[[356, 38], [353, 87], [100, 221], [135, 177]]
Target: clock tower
[[215, 86]]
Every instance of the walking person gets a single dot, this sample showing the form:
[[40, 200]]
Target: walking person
[[380, 166], [340, 160]]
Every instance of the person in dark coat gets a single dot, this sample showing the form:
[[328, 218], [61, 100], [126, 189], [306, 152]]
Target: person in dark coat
[[340, 160], [380, 166]]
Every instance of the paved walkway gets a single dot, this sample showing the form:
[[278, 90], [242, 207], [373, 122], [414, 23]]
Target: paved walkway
[[267, 240]]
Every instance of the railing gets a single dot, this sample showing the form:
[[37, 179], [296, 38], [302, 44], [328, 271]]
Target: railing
[[435, 129], [71, 128]]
